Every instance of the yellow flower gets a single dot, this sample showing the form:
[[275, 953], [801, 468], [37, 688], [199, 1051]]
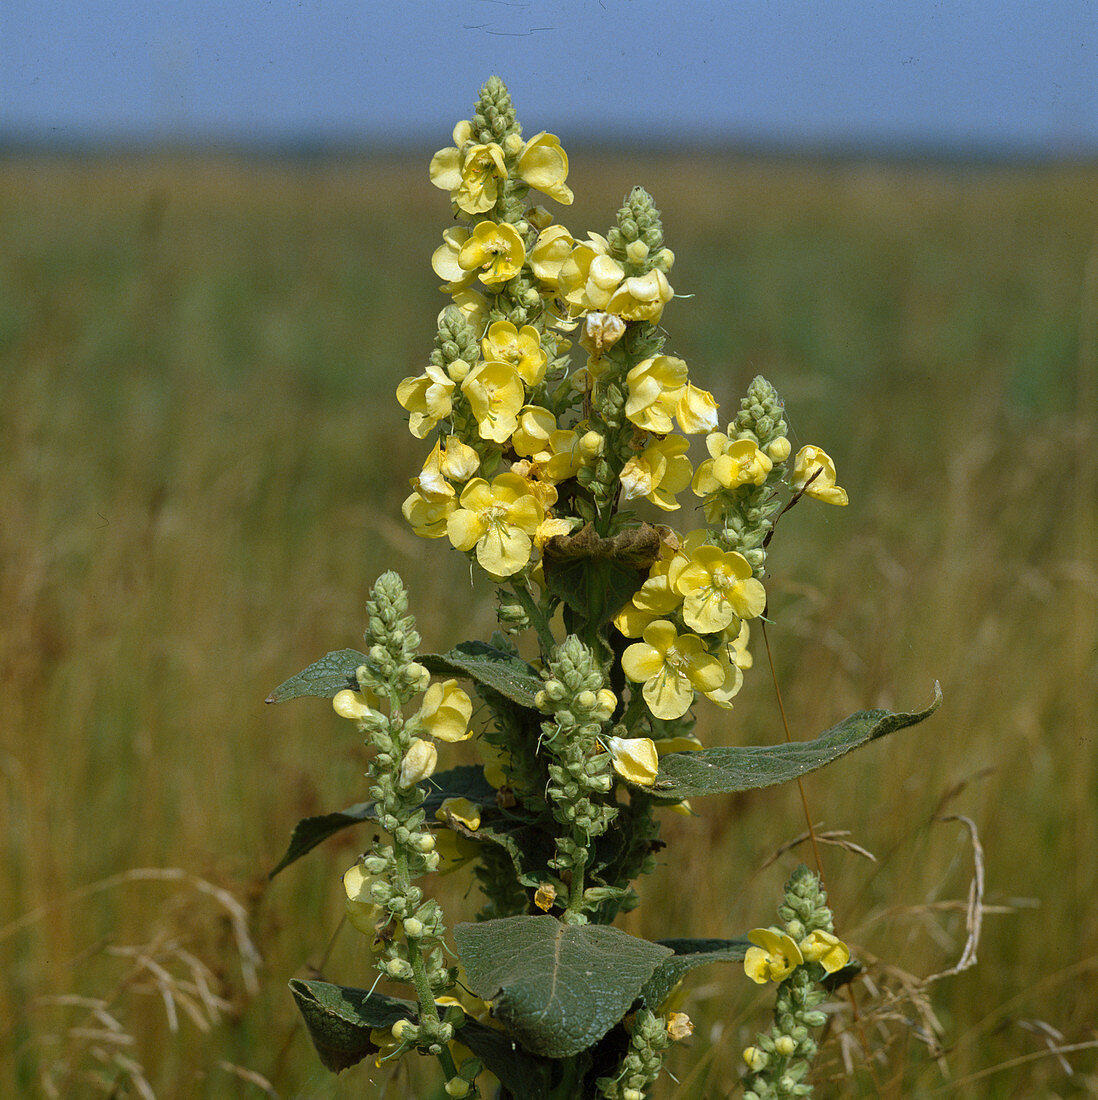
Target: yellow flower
[[460, 810], [717, 586], [814, 468], [362, 911], [496, 763], [658, 473], [653, 388], [428, 398], [445, 712], [671, 668], [521, 348], [499, 520], [458, 460], [773, 958], [679, 1026], [419, 762], [733, 463], [826, 949], [655, 598], [495, 251], [634, 758], [495, 394], [454, 850], [553, 246], [470, 172], [427, 516], [431, 483], [543, 164], [589, 277], [444, 260], [601, 331], [695, 409], [535, 426], [544, 896], [473, 305], [355, 705], [641, 297], [734, 657]]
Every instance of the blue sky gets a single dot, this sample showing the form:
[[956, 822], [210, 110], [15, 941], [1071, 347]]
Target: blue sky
[[1010, 75]]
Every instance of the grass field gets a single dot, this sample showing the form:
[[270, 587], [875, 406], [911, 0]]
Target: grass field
[[201, 466]]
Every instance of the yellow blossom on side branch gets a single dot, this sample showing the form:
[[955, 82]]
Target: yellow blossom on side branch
[[814, 472], [543, 164], [773, 957]]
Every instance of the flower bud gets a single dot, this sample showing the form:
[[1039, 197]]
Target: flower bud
[[777, 450], [457, 1087], [636, 251], [413, 928], [458, 369], [399, 970], [756, 1060], [419, 762], [591, 445], [785, 1046]]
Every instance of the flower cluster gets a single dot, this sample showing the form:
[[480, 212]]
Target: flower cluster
[[382, 900], [533, 451], [798, 955]]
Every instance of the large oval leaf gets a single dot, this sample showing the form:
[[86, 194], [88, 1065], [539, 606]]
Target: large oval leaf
[[339, 1019], [557, 988], [689, 954], [503, 672], [464, 781], [323, 678], [742, 768]]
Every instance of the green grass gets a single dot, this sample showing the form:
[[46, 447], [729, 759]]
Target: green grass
[[201, 466]]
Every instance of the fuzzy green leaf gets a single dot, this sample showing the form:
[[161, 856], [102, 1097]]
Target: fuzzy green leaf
[[323, 679], [465, 781], [556, 988], [596, 577], [724, 770], [688, 954], [339, 1019], [505, 673], [522, 1074]]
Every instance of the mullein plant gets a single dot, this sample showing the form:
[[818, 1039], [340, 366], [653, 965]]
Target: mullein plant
[[549, 409]]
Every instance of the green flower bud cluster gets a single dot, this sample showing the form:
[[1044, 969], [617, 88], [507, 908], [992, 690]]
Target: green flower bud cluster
[[780, 1059], [642, 1063], [494, 114], [392, 643], [804, 908], [580, 776], [431, 1034], [454, 340], [762, 414], [747, 513], [394, 673], [636, 241]]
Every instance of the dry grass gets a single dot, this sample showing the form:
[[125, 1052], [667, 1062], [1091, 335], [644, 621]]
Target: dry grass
[[200, 472]]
